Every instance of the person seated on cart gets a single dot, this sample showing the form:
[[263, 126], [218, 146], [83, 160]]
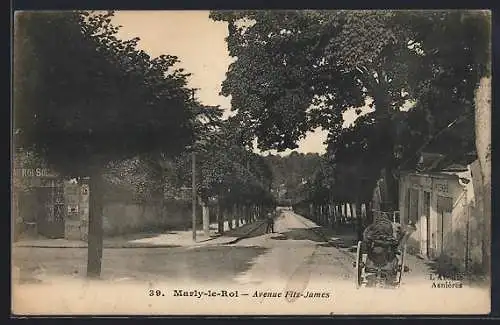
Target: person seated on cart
[[382, 241]]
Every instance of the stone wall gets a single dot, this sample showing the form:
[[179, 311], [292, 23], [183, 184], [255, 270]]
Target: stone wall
[[122, 216], [128, 217]]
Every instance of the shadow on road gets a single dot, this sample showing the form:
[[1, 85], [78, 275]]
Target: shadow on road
[[299, 234], [220, 264], [250, 230], [342, 236]]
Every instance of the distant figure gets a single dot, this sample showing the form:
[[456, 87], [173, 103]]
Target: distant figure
[[270, 223]]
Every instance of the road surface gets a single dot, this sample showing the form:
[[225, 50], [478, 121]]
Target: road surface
[[260, 258], [294, 259]]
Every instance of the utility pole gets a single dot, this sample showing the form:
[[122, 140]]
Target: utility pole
[[193, 179], [193, 187]]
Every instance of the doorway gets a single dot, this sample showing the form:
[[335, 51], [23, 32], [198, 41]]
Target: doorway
[[444, 210], [50, 215], [425, 227]]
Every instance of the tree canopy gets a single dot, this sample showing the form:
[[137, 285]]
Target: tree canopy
[[305, 68], [416, 70], [83, 97]]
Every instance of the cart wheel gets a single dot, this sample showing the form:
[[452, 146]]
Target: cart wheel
[[359, 266], [401, 268]]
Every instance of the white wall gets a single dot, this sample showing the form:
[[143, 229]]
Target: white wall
[[461, 239], [444, 185]]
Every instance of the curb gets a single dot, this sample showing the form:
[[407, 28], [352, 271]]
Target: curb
[[126, 245], [117, 246]]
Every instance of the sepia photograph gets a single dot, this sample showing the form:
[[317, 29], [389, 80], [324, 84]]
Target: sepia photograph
[[251, 162]]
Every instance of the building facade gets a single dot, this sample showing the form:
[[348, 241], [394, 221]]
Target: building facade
[[50, 206], [441, 204], [77, 210]]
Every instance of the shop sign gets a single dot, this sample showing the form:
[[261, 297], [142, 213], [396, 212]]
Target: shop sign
[[441, 186]]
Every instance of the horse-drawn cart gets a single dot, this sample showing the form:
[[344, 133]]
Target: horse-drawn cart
[[381, 261]]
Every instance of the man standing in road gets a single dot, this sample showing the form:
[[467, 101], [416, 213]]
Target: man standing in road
[[270, 223]]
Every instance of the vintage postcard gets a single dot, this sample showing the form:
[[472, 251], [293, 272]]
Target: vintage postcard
[[294, 162]]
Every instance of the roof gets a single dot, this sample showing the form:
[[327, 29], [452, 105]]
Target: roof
[[455, 168], [435, 174], [435, 162], [429, 161]]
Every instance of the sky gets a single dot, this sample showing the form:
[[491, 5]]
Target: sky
[[199, 43]]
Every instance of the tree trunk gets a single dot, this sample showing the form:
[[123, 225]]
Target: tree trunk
[[206, 218], [95, 232], [390, 194], [353, 215], [342, 216], [347, 213], [483, 147], [220, 219], [342, 213], [339, 215], [234, 221], [327, 215], [316, 214], [230, 216], [389, 191], [333, 215], [369, 212], [237, 213], [330, 213], [359, 221]]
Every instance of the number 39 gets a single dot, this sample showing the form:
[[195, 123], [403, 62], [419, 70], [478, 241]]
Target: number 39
[[153, 293]]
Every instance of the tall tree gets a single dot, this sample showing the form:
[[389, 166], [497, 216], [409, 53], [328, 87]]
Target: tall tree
[[306, 68], [83, 98]]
